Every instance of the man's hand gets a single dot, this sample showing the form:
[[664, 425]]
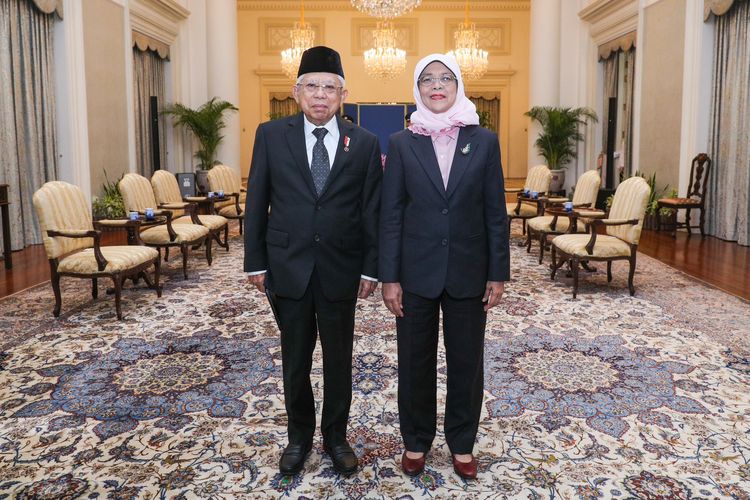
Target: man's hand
[[492, 294], [392, 297], [366, 287], [257, 281]]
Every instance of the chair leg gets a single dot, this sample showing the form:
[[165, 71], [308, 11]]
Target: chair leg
[[209, 243], [574, 266], [609, 271], [242, 223], [687, 221], [523, 226], [702, 222], [185, 251], [528, 241], [55, 280], [226, 236], [94, 288], [166, 254], [118, 292], [631, 274], [542, 241], [157, 272]]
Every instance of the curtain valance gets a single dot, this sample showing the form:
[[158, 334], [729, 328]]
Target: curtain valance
[[144, 42], [716, 7], [624, 43], [49, 6]]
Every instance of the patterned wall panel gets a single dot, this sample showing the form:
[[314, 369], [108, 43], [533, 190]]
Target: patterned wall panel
[[494, 34], [273, 33], [406, 34]]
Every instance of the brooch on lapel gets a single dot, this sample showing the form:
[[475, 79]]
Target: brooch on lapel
[[346, 143], [466, 149]]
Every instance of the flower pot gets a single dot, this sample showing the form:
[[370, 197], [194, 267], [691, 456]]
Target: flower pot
[[201, 181], [558, 180]]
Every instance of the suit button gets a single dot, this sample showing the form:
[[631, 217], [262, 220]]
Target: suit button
[[444, 211], [444, 242], [316, 237]]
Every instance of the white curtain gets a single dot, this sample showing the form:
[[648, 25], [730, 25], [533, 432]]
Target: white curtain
[[28, 149], [148, 80]]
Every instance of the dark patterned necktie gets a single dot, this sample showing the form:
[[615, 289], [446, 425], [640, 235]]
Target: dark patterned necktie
[[320, 166]]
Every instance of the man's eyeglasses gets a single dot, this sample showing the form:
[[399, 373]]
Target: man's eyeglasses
[[311, 88], [445, 80]]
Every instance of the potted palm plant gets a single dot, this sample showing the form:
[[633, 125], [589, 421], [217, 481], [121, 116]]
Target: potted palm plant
[[205, 123], [557, 142]]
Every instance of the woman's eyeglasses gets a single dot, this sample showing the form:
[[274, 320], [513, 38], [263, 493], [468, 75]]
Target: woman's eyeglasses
[[311, 88], [444, 80]]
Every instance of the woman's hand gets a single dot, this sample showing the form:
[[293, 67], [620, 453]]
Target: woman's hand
[[392, 297]]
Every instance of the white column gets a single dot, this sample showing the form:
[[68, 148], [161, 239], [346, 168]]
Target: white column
[[70, 104], [544, 62], [223, 72]]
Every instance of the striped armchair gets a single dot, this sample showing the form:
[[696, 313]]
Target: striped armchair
[[73, 244], [623, 231], [538, 180], [168, 196], [227, 179], [138, 195], [584, 195]]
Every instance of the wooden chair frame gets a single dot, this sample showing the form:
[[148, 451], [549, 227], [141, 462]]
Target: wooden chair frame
[[696, 197]]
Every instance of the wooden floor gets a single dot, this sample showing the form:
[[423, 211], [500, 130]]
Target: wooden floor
[[720, 263]]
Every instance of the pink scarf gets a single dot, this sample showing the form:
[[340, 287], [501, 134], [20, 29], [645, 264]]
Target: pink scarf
[[462, 113]]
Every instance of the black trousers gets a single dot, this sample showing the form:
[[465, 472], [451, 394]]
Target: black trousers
[[464, 322], [301, 321]]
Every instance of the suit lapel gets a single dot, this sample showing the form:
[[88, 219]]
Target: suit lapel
[[295, 138], [425, 152], [342, 157], [461, 160]]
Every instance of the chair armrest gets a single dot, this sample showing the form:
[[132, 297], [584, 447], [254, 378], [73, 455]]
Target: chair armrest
[[101, 262], [194, 198], [605, 222], [590, 214], [513, 190], [168, 215], [236, 197]]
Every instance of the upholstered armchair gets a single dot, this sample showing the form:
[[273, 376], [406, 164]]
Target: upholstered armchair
[[622, 232], [584, 195], [538, 180], [167, 194], [227, 179], [138, 195], [73, 244], [696, 196]]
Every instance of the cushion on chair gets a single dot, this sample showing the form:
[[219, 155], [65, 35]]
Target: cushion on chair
[[538, 179], [221, 204], [210, 221], [230, 211], [137, 193], [186, 233], [605, 246], [679, 201], [61, 206], [166, 189], [629, 202], [543, 222], [119, 258], [525, 211], [587, 188]]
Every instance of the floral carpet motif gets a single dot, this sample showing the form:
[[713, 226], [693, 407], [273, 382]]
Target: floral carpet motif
[[606, 396]]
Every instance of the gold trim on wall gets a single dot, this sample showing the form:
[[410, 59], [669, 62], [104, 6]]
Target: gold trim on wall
[[431, 5], [494, 34], [273, 33], [407, 31]]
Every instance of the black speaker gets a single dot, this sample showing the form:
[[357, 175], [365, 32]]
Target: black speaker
[[154, 120], [611, 131], [186, 181]]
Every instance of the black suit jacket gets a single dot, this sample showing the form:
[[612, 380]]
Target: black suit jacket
[[432, 238], [289, 230]]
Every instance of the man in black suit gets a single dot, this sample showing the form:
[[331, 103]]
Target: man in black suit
[[311, 223]]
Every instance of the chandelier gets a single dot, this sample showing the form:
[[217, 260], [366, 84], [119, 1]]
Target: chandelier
[[471, 59], [384, 60], [302, 37], [385, 9]]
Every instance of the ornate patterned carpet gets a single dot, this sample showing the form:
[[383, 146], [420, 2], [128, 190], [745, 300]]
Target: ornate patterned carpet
[[606, 396]]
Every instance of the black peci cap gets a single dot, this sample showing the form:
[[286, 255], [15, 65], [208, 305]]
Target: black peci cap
[[320, 59]]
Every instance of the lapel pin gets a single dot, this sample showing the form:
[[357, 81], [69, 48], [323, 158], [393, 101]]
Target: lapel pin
[[466, 149], [346, 143]]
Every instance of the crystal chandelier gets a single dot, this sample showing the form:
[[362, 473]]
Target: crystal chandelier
[[471, 59], [302, 37], [384, 60], [385, 9]]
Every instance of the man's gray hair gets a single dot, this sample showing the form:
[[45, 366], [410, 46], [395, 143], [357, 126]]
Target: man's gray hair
[[341, 79]]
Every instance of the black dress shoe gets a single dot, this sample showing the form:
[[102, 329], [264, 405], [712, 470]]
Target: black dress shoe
[[343, 458], [293, 458]]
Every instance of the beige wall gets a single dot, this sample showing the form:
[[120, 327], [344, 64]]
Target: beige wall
[[103, 36], [428, 31], [662, 49]]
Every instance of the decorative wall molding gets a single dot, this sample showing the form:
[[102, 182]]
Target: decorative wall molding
[[158, 19], [273, 33], [494, 34], [407, 31], [431, 5], [610, 19]]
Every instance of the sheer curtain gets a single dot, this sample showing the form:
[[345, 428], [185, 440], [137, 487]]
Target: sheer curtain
[[148, 80], [28, 149], [728, 201], [490, 105]]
